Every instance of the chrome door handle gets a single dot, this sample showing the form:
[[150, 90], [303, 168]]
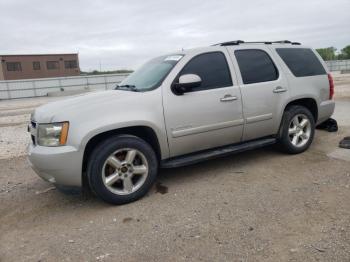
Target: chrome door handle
[[279, 89], [228, 98]]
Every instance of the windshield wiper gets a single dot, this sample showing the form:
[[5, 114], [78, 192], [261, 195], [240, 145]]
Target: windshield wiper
[[127, 87]]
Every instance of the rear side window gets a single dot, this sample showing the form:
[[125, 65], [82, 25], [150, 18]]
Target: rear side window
[[212, 68], [255, 66], [301, 61]]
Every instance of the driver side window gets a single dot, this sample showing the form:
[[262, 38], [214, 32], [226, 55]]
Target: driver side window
[[212, 68]]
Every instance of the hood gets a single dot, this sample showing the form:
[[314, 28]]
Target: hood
[[86, 104]]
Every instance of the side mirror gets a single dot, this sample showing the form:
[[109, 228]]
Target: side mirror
[[186, 83]]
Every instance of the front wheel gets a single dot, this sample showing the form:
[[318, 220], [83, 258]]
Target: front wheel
[[297, 130], [122, 169]]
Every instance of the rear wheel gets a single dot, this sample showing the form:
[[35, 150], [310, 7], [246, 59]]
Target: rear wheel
[[122, 169], [297, 130]]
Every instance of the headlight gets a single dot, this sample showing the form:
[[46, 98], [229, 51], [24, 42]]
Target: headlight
[[54, 134]]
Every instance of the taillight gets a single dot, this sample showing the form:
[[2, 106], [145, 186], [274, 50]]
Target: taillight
[[331, 86]]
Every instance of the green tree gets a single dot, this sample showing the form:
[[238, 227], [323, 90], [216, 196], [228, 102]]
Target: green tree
[[327, 53], [345, 53]]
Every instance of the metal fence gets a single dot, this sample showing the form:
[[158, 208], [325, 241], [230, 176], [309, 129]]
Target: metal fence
[[41, 87], [338, 65]]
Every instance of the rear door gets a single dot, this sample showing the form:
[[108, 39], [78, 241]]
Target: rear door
[[208, 116], [264, 89]]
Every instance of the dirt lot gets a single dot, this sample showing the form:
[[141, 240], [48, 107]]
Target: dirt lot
[[257, 206]]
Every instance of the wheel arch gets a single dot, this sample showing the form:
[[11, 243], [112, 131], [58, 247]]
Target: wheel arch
[[308, 102], [144, 132]]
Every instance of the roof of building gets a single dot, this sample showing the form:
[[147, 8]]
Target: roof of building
[[40, 54]]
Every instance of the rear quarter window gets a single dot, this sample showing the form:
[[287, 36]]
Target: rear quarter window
[[301, 61]]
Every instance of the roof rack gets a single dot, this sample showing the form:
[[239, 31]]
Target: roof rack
[[238, 42]]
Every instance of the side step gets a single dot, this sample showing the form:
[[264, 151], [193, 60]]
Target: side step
[[194, 158]]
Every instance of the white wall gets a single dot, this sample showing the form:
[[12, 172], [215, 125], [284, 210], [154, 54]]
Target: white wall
[[338, 65], [40, 87]]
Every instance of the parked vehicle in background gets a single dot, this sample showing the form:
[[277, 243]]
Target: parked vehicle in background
[[181, 109]]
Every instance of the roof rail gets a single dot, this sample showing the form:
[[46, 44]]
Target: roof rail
[[282, 42], [238, 42]]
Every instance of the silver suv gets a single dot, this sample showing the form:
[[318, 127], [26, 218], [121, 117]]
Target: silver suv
[[180, 109]]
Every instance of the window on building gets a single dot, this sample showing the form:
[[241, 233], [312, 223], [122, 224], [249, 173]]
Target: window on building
[[301, 61], [256, 66], [69, 64], [51, 65], [212, 68], [14, 66], [36, 65]]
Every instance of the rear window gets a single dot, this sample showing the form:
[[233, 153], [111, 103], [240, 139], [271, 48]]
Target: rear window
[[301, 61], [255, 66]]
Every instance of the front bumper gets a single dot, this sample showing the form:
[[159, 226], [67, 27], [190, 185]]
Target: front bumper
[[61, 166]]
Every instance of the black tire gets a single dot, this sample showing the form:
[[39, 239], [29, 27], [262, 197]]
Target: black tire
[[285, 138], [107, 148]]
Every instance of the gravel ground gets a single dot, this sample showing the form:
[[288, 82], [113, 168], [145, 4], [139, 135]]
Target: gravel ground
[[260, 205]]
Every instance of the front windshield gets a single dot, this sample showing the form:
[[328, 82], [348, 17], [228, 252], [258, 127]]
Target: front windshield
[[150, 75]]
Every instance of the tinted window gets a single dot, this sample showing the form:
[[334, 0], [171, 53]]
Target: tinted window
[[36, 65], [212, 68], [70, 64], [255, 66], [14, 66], [301, 61], [52, 65]]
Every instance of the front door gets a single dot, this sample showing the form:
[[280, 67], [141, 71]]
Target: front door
[[208, 116]]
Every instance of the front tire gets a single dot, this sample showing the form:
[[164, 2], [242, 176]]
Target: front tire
[[297, 130], [122, 169]]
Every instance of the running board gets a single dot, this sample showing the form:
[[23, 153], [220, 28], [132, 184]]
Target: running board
[[194, 158]]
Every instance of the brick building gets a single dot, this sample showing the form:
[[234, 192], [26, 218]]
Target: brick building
[[38, 66]]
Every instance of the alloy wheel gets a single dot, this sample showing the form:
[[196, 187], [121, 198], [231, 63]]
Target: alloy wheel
[[125, 171], [299, 130]]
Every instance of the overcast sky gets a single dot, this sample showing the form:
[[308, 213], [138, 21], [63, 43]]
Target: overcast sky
[[124, 34]]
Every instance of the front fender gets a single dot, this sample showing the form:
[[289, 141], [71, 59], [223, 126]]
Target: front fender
[[160, 133]]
